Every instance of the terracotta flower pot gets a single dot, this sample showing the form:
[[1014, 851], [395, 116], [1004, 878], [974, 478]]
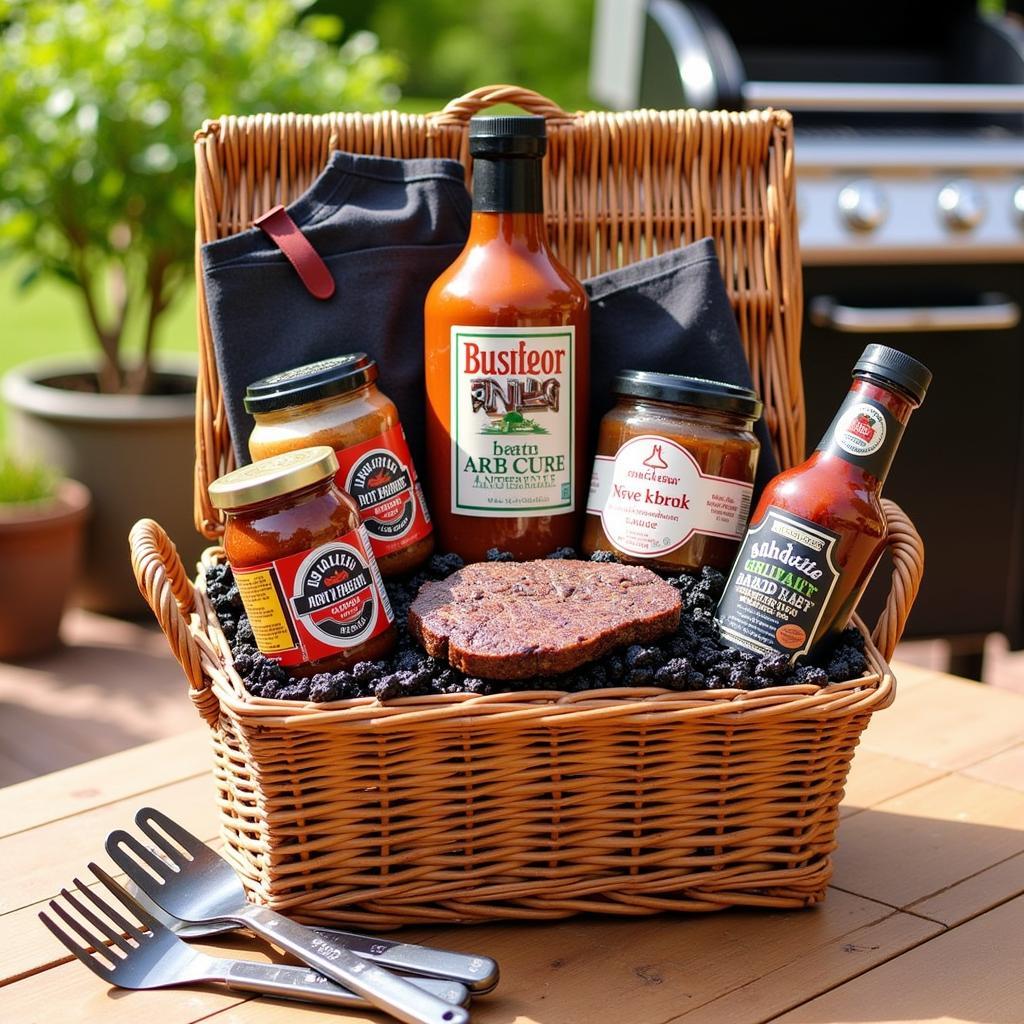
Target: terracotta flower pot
[[135, 453], [40, 557]]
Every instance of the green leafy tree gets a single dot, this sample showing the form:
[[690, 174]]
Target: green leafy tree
[[98, 103], [453, 46]]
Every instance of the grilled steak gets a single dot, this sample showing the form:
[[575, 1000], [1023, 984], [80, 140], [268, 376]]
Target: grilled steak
[[514, 620]]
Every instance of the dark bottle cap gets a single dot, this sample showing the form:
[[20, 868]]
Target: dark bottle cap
[[889, 364], [309, 383], [507, 135], [672, 387]]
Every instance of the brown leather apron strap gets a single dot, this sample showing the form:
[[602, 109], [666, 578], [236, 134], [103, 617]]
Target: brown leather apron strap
[[286, 235]]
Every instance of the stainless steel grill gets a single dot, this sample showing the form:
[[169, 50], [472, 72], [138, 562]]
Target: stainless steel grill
[[909, 131]]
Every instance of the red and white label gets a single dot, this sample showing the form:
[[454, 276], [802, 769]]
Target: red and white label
[[652, 498], [380, 475], [316, 603]]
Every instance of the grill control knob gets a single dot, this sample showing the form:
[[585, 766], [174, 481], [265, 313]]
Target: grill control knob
[[961, 204], [1018, 204], [862, 205]]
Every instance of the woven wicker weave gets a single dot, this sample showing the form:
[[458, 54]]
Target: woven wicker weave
[[465, 808]]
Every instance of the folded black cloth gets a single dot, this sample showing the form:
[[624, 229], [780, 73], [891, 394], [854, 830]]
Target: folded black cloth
[[667, 314], [386, 229]]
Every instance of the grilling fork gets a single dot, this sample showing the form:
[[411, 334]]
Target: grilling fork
[[148, 955], [478, 973], [199, 887]]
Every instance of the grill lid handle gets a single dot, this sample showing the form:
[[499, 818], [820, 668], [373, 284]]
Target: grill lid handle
[[993, 311]]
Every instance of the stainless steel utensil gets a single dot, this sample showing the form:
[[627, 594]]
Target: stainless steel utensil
[[147, 955], [478, 973], [199, 887]]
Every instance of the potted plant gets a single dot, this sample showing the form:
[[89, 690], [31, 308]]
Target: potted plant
[[42, 520], [96, 173]]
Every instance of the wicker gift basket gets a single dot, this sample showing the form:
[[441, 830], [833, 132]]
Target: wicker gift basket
[[466, 808]]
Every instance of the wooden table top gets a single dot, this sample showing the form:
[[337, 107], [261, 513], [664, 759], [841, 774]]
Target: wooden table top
[[923, 922]]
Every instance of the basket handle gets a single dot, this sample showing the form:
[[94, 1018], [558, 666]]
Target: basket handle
[[460, 110], [169, 592], [907, 551]]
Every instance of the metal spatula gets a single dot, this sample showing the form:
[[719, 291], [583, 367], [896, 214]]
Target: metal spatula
[[196, 885], [126, 946], [478, 973]]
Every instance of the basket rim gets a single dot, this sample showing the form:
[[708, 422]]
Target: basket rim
[[648, 705]]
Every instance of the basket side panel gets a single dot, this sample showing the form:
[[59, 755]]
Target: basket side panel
[[378, 829]]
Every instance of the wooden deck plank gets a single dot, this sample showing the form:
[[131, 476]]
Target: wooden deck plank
[[113, 685], [947, 723], [970, 973], [875, 778], [816, 970], [924, 841], [115, 777], [1005, 769], [910, 676], [640, 971], [38, 862], [975, 895]]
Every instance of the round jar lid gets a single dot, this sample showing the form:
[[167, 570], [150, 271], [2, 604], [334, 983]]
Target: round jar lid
[[672, 387], [271, 478], [311, 382]]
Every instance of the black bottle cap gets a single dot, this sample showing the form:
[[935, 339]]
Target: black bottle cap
[[889, 364], [309, 383], [673, 387], [507, 135]]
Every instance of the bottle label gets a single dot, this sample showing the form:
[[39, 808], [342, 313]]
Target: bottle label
[[780, 585], [865, 434], [513, 423], [652, 498], [315, 603], [380, 476]]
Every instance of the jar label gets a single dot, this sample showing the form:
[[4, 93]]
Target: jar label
[[315, 603], [780, 585], [652, 498], [380, 476], [513, 421]]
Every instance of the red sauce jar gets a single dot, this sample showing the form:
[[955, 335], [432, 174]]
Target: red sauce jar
[[336, 402], [303, 563]]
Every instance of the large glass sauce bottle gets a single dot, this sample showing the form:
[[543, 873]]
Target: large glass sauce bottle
[[507, 365], [819, 528]]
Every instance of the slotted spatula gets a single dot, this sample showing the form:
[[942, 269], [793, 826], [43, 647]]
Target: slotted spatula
[[196, 885]]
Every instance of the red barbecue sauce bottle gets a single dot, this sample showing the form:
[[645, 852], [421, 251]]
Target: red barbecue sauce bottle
[[819, 528], [507, 365]]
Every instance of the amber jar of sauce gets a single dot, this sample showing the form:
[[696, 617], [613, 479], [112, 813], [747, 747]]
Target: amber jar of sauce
[[674, 472], [507, 349], [303, 563], [336, 402]]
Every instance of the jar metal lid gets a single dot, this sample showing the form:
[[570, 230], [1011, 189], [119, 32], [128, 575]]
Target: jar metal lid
[[673, 387], [273, 477], [311, 382]]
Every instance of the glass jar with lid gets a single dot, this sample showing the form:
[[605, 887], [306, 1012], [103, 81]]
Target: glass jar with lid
[[336, 402], [303, 563], [674, 472]]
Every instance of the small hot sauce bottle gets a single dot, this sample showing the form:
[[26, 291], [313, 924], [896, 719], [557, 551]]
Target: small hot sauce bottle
[[507, 364], [819, 528]]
